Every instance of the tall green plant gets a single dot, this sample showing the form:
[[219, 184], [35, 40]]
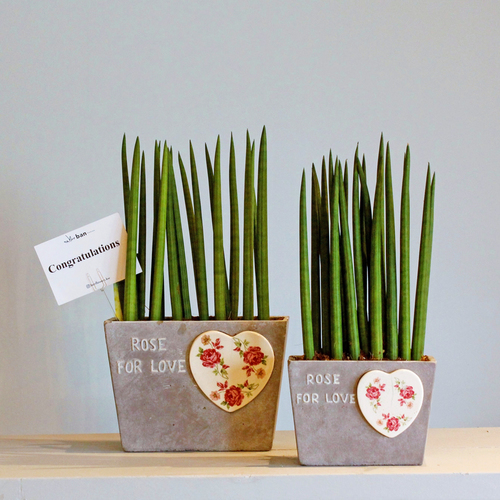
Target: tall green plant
[[362, 291], [169, 244]]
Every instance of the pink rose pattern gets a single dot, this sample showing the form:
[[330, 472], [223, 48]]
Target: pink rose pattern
[[211, 358], [252, 356], [407, 396], [373, 393], [393, 423], [406, 393]]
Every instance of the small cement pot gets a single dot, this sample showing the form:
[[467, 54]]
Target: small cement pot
[[159, 404], [329, 425]]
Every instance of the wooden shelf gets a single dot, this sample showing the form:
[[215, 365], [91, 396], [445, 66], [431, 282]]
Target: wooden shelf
[[459, 464]]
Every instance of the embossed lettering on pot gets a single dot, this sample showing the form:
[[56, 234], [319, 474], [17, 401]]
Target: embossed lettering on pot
[[154, 344], [319, 378]]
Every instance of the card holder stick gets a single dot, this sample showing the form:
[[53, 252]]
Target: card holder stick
[[92, 283], [109, 302], [103, 286]]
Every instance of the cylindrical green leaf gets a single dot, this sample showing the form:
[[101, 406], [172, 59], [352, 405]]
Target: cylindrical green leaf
[[392, 293], [305, 292], [158, 265], [172, 255], [335, 267], [315, 259], [130, 309], [125, 179], [346, 182], [404, 266], [261, 253], [424, 270], [325, 262], [156, 203], [192, 227], [366, 210], [118, 304], [201, 279], [376, 311], [350, 288], [120, 286], [358, 260], [366, 227], [210, 173], [181, 254], [219, 267], [248, 234], [234, 265], [141, 278]]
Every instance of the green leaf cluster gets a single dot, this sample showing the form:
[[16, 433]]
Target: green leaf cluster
[[349, 284], [169, 245]]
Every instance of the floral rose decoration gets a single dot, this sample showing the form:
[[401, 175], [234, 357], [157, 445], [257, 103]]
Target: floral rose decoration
[[392, 424], [253, 356], [407, 393], [210, 358], [233, 396], [372, 392]]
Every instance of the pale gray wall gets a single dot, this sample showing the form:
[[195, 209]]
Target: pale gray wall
[[74, 76]]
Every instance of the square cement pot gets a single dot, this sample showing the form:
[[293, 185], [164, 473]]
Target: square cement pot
[[159, 404], [329, 425]]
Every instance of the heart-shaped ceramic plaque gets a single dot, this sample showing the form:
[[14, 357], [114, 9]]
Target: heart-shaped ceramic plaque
[[231, 371], [390, 402]]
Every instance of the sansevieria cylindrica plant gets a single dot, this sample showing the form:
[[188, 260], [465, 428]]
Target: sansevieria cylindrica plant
[[169, 244], [349, 282]]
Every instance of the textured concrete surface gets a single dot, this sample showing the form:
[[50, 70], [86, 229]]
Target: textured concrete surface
[[336, 433], [159, 406]]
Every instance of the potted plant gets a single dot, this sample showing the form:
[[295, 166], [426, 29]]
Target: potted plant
[[361, 393], [205, 383]]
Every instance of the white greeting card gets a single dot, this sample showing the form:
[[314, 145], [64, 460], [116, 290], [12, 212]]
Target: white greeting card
[[86, 259]]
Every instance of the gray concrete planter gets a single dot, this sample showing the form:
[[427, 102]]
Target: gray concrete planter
[[159, 405], [329, 425]]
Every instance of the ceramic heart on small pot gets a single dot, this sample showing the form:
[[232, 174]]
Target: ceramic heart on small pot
[[231, 370], [390, 402]]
